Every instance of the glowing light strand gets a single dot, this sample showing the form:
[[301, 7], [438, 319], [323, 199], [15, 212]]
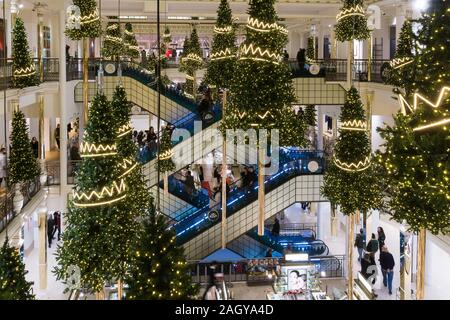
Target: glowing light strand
[[355, 125], [355, 11], [255, 24], [223, 54], [224, 30], [258, 54], [124, 130], [193, 57], [89, 150], [353, 167], [398, 63], [25, 72], [107, 195]]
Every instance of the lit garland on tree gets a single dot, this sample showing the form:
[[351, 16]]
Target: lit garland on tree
[[89, 21], [130, 42], [352, 22], [113, 44], [24, 71], [192, 62], [417, 148], [350, 180], [311, 51], [167, 36], [259, 67], [401, 74], [223, 55], [13, 285], [165, 163], [158, 270], [22, 166], [99, 227]]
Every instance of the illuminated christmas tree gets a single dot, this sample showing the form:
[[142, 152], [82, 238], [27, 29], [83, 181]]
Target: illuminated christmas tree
[[130, 42], [88, 24], [223, 55], [352, 22], [311, 51], [24, 70], [192, 61], [13, 285], [113, 45]]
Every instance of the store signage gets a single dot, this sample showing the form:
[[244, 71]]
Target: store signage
[[314, 69], [296, 257]]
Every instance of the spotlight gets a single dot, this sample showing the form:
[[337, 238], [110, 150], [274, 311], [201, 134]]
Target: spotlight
[[420, 5]]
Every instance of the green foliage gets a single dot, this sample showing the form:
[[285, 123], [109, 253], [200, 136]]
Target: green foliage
[[159, 270], [166, 163], [130, 42], [352, 190], [167, 37], [24, 70], [417, 162], [352, 27], [262, 91], [23, 166], [220, 72], [311, 50], [310, 115], [13, 285], [90, 28], [403, 77], [113, 44], [191, 61], [97, 239]]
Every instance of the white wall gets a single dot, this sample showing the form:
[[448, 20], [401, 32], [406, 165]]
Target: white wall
[[437, 267], [379, 121]]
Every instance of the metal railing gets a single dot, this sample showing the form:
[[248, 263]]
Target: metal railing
[[50, 71], [237, 270]]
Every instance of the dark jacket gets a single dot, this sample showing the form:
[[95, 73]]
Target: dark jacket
[[381, 239], [359, 241], [386, 261], [372, 246], [50, 225], [276, 229], [364, 269]]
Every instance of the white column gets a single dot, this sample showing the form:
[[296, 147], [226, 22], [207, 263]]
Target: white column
[[400, 16], [320, 35], [320, 121], [9, 28], [62, 103], [323, 220]]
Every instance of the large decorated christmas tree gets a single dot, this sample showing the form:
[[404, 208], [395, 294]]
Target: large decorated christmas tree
[[311, 51], [192, 62], [13, 285], [88, 24], [113, 43], [165, 163], [130, 42], [158, 270], [352, 22], [99, 231], [351, 180], [223, 55], [23, 166], [24, 70]]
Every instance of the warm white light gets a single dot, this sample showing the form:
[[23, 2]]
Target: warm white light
[[420, 5]]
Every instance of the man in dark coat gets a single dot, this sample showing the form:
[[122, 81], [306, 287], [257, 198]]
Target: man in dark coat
[[387, 267]]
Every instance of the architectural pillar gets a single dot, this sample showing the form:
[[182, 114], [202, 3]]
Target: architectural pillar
[[63, 103], [333, 42], [42, 216], [320, 122], [40, 41], [320, 42], [41, 127], [400, 17]]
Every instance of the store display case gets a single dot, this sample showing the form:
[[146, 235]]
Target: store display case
[[362, 290]]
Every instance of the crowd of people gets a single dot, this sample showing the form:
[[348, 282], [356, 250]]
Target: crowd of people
[[366, 256]]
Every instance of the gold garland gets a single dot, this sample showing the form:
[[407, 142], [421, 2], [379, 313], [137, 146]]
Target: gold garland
[[89, 18], [223, 30], [114, 39], [400, 62], [223, 54], [90, 150], [353, 167], [106, 196], [194, 57], [127, 165], [124, 130], [355, 11], [166, 155], [355, 125], [255, 24], [261, 55], [24, 72]]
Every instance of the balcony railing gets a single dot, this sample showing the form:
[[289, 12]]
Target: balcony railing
[[50, 71]]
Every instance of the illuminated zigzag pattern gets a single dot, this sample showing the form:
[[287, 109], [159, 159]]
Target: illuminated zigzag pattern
[[400, 62], [355, 11], [123, 130], [25, 72], [357, 125], [127, 165], [113, 39], [405, 106], [260, 26], [224, 54], [353, 167], [223, 30], [107, 195], [194, 57], [91, 150], [166, 155], [86, 19], [259, 54]]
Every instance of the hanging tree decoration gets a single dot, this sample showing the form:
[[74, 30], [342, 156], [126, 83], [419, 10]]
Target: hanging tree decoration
[[352, 22], [311, 51], [191, 61], [113, 44], [85, 20], [24, 70], [130, 42]]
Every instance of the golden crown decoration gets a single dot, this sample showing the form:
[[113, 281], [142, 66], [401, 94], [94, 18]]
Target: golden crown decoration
[[258, 54], [166, 155], [127, 165], [354, 125], [223, 30], [114, 39], [193, 57], [124, 130], [89, 18], [355, 11], [24, 72], [223, 54], [418, 98], [107, 195], [398, 63], [90, 150], [255, 24], [128, 33], [353, 167]]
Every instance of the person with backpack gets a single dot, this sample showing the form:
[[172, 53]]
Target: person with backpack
[[359, 243]]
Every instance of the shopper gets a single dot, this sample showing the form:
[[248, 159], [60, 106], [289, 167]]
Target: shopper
[[252, 178], [57, 222], [301, 59], [381, 237], [276, 228], [35, 147], [387, 267], [57, 135], [2, 165], [269, 253], [50, 227], [359, 243], [372, 248], [189, 184]]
